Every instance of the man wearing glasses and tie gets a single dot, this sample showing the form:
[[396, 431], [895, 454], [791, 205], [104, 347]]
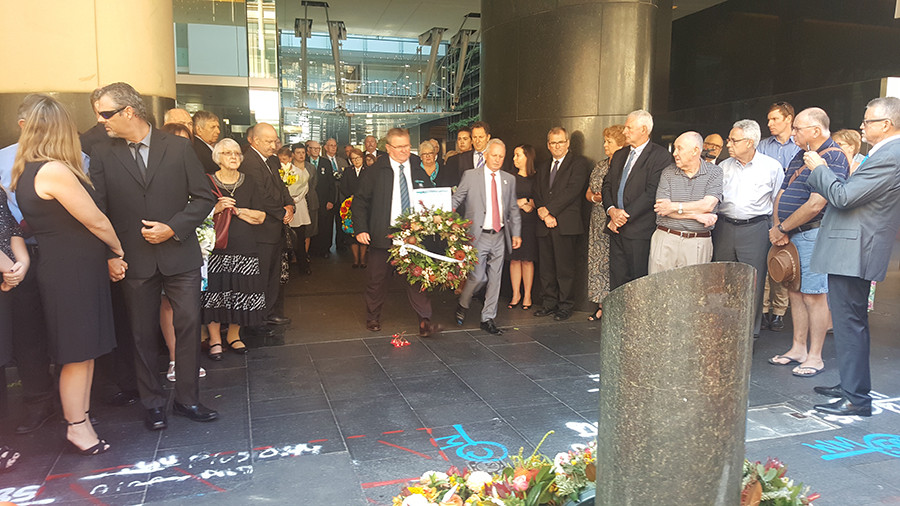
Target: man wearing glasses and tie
[[629, 194], [385, 192]]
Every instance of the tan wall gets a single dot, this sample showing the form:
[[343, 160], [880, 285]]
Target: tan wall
[[74, 46]]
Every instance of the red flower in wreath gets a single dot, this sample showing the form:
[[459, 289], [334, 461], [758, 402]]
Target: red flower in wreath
[[459, 254], [417, 271]]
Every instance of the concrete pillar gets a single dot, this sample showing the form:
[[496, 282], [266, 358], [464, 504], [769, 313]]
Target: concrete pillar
[[675, 356], [70, 47], [582, 65]]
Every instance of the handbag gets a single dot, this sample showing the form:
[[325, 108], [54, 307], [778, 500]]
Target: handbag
[[221, 221]]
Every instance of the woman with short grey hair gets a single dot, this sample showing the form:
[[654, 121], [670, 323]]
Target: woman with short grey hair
[[236, 291]]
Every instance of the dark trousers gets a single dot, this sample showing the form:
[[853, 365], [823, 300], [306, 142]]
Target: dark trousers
[[270, 267], [321, 243], [123, 355], [628, 260], [142, 298], [748, 244], [378, 276], [557, 255], [300, 248], [340, 237], [30, 346], [848, 298]]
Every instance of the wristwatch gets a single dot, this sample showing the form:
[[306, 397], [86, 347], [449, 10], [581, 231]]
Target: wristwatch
[[781, 229], [237, 211], [680, 208]]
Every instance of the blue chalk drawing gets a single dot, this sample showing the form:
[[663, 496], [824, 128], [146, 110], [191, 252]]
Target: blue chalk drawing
[[841, 447], [473, 451]]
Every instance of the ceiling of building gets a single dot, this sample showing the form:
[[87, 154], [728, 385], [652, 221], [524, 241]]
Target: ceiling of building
[[409, 18]]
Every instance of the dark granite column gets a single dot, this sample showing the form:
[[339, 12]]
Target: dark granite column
[[675, 359]]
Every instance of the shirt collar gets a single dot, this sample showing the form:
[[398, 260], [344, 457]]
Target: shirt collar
[[146, 140], [882, 142], [258, 153], [641, 147], [563, 158]]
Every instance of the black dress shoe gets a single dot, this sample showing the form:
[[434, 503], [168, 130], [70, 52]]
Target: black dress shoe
[[262, 331], [428, 329], [490, 327], [196, 412], [843, 407], [156, 419], [764, 324], [373, 326], [460, 315], [278, 320], [835, 391], [35, 418], [124, 398], [776, 324], [545, 312], [562, 314]]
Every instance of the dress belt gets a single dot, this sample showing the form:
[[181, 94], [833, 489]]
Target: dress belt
[[685, 235], [805, 227], [743, 222], [490, 231]]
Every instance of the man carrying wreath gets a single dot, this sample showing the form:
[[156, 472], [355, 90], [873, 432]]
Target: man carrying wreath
[[490, 197], [385, 193]]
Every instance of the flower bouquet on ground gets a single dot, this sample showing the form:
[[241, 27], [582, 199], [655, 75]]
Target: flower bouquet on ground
[[419, 235], [766, 485], [347, 216]]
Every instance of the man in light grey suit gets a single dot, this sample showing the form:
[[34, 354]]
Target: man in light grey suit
[[854, 248], [490, 198]]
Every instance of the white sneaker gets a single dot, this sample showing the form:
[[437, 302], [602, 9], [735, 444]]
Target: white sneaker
[[170, 375]]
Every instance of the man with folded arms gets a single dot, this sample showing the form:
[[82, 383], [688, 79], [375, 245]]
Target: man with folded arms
[[686, 199], [751, 181]]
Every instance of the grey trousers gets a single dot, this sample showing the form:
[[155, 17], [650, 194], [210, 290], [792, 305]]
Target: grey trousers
[[748, 244], [491, 248]]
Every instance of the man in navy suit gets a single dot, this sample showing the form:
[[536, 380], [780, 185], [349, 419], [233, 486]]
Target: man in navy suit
[[854, 247], [629, 193]]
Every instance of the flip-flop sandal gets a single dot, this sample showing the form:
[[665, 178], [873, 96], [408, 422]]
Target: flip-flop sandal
[[796, 371], [8, 458], [791, 361]]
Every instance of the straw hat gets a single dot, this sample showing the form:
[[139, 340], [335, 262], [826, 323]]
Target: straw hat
[[784, 266]]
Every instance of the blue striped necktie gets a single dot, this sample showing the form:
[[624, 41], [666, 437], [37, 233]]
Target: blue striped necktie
[[480, 163], [620, 196], [404, 192]]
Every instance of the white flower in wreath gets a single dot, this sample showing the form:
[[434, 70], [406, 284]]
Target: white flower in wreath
[[416, 500], [430, 476], [477, 480]]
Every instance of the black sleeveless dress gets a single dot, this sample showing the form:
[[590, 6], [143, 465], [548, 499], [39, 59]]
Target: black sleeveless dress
[[73, 276]]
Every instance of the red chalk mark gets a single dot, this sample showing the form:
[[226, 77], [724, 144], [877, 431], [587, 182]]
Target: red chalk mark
[[405, 449], [223, 453], [55, 476], [201, 480], [84, 493], [443, 455], [39, 492], [318, 440], [373, 484], [393, 432], [262, 448], [354, 437]]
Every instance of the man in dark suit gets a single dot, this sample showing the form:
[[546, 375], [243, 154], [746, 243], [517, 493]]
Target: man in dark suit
[[854, 247], [337, 165], [206, 135], [384, 193], [327, 189], [630, 199], [371, 145], [97, 133], [560, 185], [151, 186], [463, 146], [279, 208]]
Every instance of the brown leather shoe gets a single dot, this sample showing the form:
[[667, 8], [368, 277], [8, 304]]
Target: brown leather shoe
[[428, 329], [373, 325]]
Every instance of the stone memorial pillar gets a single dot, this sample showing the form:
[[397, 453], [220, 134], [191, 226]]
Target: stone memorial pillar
[[675, 359]]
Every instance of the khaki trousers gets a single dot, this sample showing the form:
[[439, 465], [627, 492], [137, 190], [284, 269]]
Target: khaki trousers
[[668, 251]]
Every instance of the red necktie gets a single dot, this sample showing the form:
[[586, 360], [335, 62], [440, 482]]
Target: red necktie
[[495, 212]]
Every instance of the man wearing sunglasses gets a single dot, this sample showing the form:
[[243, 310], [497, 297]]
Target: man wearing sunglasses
[[151, 186]]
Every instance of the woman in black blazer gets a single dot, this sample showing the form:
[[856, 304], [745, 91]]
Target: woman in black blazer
[[349, 184]]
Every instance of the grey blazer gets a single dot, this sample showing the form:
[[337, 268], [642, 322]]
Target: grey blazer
[[862, 217], [471, 191]]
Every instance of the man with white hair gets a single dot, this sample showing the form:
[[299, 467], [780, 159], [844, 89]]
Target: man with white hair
[[798, 213], [629, 192], [688, 194], [751, 183], [180, 116], [865, 210]]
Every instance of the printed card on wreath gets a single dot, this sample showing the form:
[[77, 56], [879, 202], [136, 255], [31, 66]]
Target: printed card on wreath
[[432, 198]]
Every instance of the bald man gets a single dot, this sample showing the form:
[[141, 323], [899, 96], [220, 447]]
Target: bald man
[[179, 116], [712, 147], [687, 197], [279, 208]]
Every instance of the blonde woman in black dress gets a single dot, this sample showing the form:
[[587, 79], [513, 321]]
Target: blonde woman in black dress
[[75, 240]]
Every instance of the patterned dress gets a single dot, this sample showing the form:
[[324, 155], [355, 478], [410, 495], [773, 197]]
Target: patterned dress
[[598, 242], [236, 290]]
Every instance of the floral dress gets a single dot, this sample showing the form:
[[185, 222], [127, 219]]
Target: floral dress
[[598, 242]]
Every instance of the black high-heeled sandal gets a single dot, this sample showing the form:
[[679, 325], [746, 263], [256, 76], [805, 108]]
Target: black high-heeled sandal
[[240, 351], [217, 356], [101, 447], [595, 317]]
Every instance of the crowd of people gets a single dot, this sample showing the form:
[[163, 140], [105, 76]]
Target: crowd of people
[[127, 230]]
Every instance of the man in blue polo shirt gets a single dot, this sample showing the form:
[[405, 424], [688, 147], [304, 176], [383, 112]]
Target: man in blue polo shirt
[[799, 210]]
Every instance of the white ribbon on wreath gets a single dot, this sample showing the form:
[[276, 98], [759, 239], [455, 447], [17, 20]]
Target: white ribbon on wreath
[[404, 250]]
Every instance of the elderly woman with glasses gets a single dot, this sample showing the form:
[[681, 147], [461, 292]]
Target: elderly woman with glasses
[[850, 142], [428, 154], [236, 290]]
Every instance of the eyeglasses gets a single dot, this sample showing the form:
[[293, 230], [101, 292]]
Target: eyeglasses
[[110, 114], [230, 153], [405, 146], [558, 144], [866, 122], [797, 129], [734, 141], [426, 154]]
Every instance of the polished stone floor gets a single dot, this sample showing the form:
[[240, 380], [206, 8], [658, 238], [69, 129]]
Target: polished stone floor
[[333, 414]]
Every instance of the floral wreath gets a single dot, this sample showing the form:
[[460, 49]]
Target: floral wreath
[[347, 216], [430, 269]]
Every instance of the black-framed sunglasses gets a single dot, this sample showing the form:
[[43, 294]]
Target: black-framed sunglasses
[[110, 114]]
